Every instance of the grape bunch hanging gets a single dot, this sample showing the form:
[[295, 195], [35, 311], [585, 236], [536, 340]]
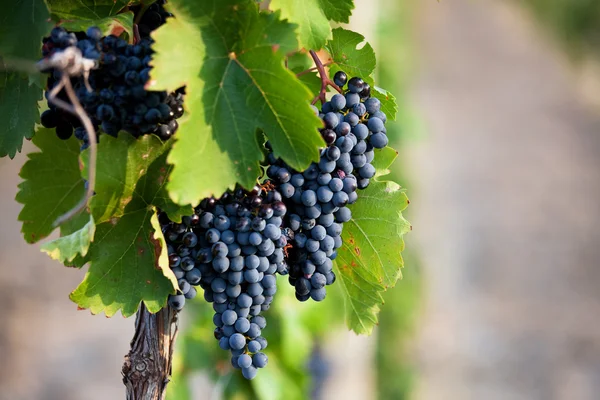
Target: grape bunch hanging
[[290, 224], [113, 95]]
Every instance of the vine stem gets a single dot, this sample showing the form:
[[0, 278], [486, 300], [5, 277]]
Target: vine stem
[[76, 108], [306, 71], [325, 81], [147, 367]]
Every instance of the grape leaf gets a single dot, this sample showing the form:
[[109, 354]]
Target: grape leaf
[[18, 111], [128, 258], [237, 85], [52, 184], [337, 10], [113, 25], [86, 9], [312, 18], [129, 168], [22, 26], [313, 27], [388, 102], [369, 261], [126, 265], [348, 57], [66, 248]]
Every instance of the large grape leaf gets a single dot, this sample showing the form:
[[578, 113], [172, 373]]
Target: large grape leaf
[[18, 111], [312, 18], [86, 9], [347, 55], [128, 260], [52, 184], [125, 265], [369, 261], [113, 25], [237, 84], [128, 168], [66, 248]]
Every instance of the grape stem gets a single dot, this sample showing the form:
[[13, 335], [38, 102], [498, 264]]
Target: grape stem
[[325, 81], [76, 108], [306, 71], [136, 34]]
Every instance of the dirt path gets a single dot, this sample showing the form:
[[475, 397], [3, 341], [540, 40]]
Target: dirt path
[[506, 211]]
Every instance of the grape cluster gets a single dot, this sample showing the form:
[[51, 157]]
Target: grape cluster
[[232, 247], [118, 100], [317, 198], [59, 40]]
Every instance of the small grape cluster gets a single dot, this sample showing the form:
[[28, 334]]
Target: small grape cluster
[[317, 198], [117, 99], [232, 247]]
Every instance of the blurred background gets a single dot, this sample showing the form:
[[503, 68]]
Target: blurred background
[[499, 139]]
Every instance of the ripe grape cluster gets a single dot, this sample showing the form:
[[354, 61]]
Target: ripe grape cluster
[[232, 247], [317, 198], [117, 99]]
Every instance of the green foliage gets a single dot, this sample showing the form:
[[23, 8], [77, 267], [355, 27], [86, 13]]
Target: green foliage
[[92, 10], [347, 56], [369, 261], [22, 26], [312, 17], [113, 25], [128, 258], [52, 184], [244, 86], [124, 265], [130, 169], [66, 248], [18, 111]]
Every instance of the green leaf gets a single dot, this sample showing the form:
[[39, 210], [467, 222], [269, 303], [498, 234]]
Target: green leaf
[[348, 56], [18, 112], [388, 102], [128, 257], [383, 160], [237, 84], [52, 184], [313, 27], [124, 266], [113, 25], [22, 26], [129, 168], [86, 9], [66, 248], [337, 10], [369, 262]]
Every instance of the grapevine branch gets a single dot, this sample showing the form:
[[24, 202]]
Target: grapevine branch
[[325, 81], [147, 367]]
